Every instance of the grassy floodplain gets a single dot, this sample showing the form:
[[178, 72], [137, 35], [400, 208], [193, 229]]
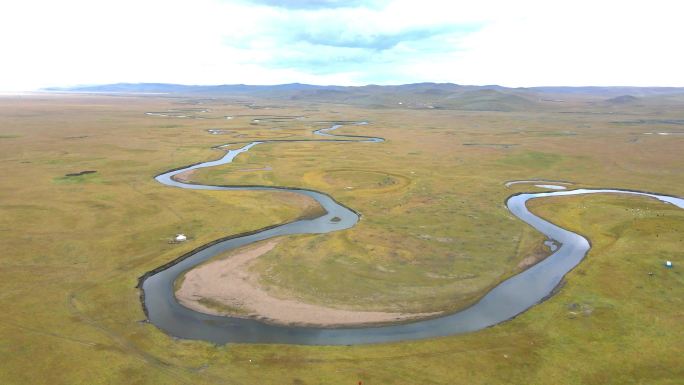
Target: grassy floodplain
[[434, 236]]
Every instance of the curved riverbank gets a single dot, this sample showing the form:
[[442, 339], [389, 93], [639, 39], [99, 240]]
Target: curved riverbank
[[504, 301], [539, 183], [225, 286]]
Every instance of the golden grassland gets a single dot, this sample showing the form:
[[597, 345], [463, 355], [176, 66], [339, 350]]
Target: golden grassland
[[434, 235]]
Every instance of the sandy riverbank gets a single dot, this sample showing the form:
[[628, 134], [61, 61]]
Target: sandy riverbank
[[225, 286]]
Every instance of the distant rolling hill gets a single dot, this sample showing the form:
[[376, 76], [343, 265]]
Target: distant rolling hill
[[623, 99], [610, 91], [417, 95], [489, 100]]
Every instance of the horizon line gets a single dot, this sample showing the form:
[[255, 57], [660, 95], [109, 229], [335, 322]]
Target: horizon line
[[55, 88]]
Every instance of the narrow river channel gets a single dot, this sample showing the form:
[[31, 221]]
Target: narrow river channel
[[508, 299]]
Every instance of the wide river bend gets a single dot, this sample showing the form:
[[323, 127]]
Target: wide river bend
[[508, 299]]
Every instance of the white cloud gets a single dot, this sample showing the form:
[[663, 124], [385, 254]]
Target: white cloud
[[516, 43], [583, 43]]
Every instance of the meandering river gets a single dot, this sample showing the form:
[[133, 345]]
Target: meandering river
[[508, 299]]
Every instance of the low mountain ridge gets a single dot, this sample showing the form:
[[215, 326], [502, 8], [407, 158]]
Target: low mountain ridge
[[417, 95]]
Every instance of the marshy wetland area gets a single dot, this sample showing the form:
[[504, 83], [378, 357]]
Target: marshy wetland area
[[422, 232]]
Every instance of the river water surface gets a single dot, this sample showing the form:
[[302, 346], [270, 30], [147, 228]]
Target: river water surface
[[508, 299]]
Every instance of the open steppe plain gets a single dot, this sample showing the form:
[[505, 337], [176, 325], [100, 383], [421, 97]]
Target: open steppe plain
[[433, 237]]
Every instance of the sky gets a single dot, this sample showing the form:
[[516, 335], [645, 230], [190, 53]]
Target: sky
[[47, 43]]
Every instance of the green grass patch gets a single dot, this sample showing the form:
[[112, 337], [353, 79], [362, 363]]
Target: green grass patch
[[531, 159]]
